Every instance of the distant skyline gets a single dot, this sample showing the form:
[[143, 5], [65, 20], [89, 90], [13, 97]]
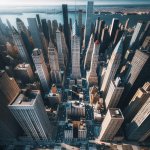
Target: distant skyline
[[71, 2]]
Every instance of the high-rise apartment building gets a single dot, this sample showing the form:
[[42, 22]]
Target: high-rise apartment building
[[24, 56], [75, 51], [113, 66], [111, 124], [88, 22], [88, 56], [54, 65], [29, 110], [34, 30], [138, 100], [41, 69], [92, 77], [60, 51], [114, 93]]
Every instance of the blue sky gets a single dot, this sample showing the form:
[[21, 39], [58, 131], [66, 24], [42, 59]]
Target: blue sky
[[58, 2]]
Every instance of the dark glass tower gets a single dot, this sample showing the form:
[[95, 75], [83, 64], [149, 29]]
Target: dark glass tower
[[45, 29]]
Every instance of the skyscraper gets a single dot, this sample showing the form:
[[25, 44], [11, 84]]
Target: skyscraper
[[111, 124], [100, 29], [114, 27], [21, 27], [33, 28], [60, 51], [114, 93], [29, 111], [138, 129], [66, 25], [135, 37], [24, 56], [54, 65], [88, 56], [45, 29], [80, 26], [92, 77], [88, 22], [113, 66], [41, 69], [75, 50], [138, 100], [39, 22]]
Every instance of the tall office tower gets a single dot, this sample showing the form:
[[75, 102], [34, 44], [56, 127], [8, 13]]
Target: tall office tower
[[114, 27], [21, 47], [54, 28], [45, 47], [24, 73], [145, 33], [60, 51], [138, 100], [135, 37], [88, 56], [45, 29], [33, 28], [113, 66], [80, 27], [70, 23], [21, 27], [64, 47], [105, 39], [111, 124], [100, 29], [139, 128], [39, 22], [29, 110], [54, 65], [118, 35], [88, 22], [50, 29], [75, 50], [127, 24], [138, 73], [96, 28], [41, 69], [92, 77], [66, 25], [10, 91], [114, 93], [146, 44]]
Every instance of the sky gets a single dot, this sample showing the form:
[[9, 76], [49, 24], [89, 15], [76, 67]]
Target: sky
[[78, 2]]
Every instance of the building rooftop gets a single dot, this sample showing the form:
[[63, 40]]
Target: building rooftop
[[21, 66], [26, 98], [115, 113]]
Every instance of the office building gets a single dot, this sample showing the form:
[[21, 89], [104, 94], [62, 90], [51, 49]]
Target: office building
[[88, 56], [82, 130], [29, 110], [60, 51], [134, 43], [138, 100], [45, 29], [10, 91], [80, 27], [34, 30], [41, 69], [112, 67], [66, 25], [88, 22], [75, 51], [146, 44], [111, 124], [24, 73], [113, 28], [21, 27], [68, 131], [114, 93], [100, 29], [92, 77], [138, 129], [54, 65], [24, 56], [96, 28]]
